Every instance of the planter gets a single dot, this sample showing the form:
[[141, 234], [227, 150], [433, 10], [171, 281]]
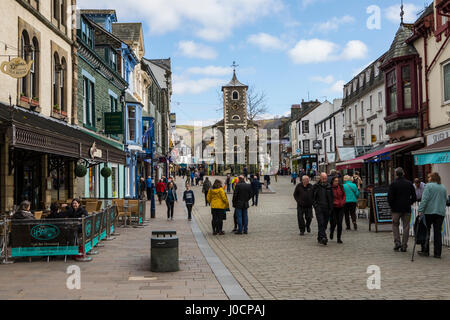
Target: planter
[[56, 111], [63, 113], [24, 99], [34, 103]]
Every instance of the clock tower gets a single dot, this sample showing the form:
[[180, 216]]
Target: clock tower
[[235, 104]]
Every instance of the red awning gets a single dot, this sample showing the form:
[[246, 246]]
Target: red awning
[[359, 162]]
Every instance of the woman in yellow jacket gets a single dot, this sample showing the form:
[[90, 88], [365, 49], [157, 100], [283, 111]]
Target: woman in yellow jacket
[[218, 200]]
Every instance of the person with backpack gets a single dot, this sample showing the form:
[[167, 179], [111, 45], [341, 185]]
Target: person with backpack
[[294, 178], [351, 198], [205, 189], [189, 199], [433, 206], [338, 209]]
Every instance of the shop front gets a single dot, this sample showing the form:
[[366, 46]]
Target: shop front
[[39, 155], [307, 162]]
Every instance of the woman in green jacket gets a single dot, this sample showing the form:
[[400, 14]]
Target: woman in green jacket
[[434, 205], [351, 197]]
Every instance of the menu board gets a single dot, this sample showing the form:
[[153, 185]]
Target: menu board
[[383, 211]]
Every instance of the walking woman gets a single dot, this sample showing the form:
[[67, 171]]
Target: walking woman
[[433, 205], [160, 190], [170, 200], [219, 204], [351, 197], [338, 209]]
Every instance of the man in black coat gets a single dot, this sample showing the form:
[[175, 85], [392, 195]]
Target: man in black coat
[[303, 194], [256, 185], [401, 196], [242, 194], [323, 206]]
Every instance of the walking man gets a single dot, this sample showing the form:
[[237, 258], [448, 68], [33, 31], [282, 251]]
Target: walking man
[[256, 185], [189, 199], [241, 196], [303, 194], [401, 196], [323, 206]]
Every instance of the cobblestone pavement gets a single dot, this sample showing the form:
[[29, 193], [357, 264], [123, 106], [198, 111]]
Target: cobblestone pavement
[[108, 275], [274, 262]]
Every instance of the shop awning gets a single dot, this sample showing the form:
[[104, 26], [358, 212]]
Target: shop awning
[[433, 154], [359, 162], [33, 131]]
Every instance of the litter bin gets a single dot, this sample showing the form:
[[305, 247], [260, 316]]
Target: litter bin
[[164, 252]]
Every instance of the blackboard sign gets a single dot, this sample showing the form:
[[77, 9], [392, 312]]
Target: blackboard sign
[[382, 209], [37, 238], [379, 207]]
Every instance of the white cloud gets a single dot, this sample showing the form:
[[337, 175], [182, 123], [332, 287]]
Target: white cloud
[[211, 70], [185, 85], [211, 20], [338, 86], [316, 50], [355, 49], [192, 49], [312, 51], [266, 41], [328, 79], [333, 24], [393, 13]]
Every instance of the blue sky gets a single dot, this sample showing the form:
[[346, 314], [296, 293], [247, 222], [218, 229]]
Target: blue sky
[[286, 48]]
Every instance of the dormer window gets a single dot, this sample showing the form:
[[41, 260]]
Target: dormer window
[[235, 95]]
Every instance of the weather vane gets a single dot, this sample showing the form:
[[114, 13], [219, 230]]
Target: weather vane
[[234, 66], [402, 13]]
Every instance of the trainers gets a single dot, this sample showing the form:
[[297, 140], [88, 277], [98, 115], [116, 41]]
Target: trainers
[[423, 253], [308, 229], [339, 241], [221, 233], [302, 233], [245, 232], [397, 247], [355, 226], [214, 233], [437, 257], [331, 235]]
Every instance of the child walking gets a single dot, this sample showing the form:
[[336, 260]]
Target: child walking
[[189, 199]]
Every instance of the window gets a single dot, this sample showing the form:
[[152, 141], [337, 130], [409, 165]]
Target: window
[[25, 43], [34, 72], [324, 145], [55, 79], [380, 133], [380, 99], [305, 126], [447, 82], [356, 113], [62, 12], [62, 85], [306, 147], [331, 144], [370, 103], [114, 60], [132, 123], [86, 33], [324, 126], [362, 109], [331, 123], [363, 136], [235, 117], [350, 116], [56, 9], [113, 104], [115, 181], [235, 95], [88, 103], [392, 91], [406, 78]]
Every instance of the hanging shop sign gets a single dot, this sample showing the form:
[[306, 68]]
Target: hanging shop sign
[[317, 144], [94, 152], [16, 68], [113, 123]]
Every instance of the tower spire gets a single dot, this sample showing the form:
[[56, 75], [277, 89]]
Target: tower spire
[[234, 66]]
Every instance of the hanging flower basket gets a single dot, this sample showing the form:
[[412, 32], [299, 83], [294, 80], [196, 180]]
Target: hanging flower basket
[[106, 172], [80, 171]]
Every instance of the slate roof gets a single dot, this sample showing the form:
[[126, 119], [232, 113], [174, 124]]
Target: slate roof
[[127, 31], [429, 10], [235, 82], [399, 47], [98, 11]]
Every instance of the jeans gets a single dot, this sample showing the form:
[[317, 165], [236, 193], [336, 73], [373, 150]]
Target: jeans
[[170, 207], [350, 211], [206, 201], [336, 220], [255, 198], [242, 219], [436, 221], [304, 213], [189, 209], [406, 219], [228, 187], [322, 216]]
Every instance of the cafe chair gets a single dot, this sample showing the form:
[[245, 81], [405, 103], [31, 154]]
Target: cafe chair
[[133, 209], [91, 206], [99, 205]]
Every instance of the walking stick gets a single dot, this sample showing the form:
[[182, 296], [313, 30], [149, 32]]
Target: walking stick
[[416, 229]]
